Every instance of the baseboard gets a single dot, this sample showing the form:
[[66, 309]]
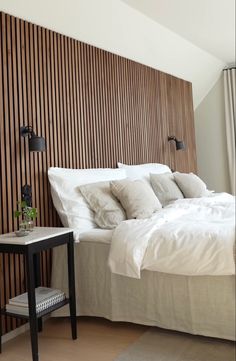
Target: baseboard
[[19, 330], [12, 334]]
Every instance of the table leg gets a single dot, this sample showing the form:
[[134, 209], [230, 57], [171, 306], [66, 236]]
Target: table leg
[[32, 306], [0, 333], [40, 324], [71, 282], [0, 322], [37, 276]]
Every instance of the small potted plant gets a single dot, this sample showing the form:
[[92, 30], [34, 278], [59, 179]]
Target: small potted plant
[[28, 214]]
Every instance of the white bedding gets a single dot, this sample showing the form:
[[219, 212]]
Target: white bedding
[[189, 237]]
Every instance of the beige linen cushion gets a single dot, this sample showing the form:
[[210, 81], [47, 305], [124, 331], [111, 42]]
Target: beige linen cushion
[[165, 188], [108, 211], [136, 197], [191, 185]]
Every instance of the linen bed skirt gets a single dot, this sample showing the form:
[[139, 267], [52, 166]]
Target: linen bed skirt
[[202, 305]]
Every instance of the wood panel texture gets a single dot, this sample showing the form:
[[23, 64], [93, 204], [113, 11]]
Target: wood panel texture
[[94, 108]]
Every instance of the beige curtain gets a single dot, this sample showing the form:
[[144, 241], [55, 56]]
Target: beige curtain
[[230, 117]]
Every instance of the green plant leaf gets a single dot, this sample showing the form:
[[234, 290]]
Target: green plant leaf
[[25, 210], [23, 204], [17, 214]]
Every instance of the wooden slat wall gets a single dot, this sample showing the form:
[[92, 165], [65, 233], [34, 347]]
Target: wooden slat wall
[[94, 108]]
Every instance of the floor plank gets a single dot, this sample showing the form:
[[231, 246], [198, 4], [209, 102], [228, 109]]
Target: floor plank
[[99, 340]]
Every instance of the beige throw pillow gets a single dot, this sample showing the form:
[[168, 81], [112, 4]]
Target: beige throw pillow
[[136, 197], [165, 188], [191, 185], [108, 211]]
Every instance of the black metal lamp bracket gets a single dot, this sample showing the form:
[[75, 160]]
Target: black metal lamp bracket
[[26, 192], [26, 131]]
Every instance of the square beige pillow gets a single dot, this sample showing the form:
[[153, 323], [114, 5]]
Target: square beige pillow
[[191, 185], [165, 188], [108, 211], [136, 197]]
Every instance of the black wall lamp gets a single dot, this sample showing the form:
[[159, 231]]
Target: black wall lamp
[[36, 144], [179, 144]]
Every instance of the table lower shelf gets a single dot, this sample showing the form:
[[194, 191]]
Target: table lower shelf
[[48, 310]]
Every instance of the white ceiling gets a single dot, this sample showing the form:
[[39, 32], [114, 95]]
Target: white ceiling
[[209, 24]]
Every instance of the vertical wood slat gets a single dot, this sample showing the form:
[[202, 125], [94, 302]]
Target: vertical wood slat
[[11, 130], [3, 214], [94, 108], [16, 258]]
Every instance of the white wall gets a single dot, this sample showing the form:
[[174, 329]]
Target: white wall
[[114, 26], [211, 139]]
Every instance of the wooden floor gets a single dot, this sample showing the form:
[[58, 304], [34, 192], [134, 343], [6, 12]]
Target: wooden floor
[[99, 340]]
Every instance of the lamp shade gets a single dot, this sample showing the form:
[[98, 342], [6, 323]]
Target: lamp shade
[[37, 144], [179, 144]]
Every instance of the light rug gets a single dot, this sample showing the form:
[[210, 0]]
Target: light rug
[[162, 345]]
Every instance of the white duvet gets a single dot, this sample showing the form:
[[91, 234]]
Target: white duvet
[[189, 237]]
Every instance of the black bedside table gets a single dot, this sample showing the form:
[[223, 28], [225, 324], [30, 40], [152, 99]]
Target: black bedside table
[[41, 239]]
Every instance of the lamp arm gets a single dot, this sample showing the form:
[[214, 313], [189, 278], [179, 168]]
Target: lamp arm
[[27, 131]]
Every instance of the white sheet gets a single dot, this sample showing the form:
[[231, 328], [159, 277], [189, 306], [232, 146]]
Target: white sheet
[[189, 237]]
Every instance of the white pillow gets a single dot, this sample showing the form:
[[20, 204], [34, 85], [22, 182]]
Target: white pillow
[[191, 185], [70, 204], [142, 171]]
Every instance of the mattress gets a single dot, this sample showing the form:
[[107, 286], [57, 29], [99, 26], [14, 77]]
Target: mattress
[[203, 305], [97, 235]]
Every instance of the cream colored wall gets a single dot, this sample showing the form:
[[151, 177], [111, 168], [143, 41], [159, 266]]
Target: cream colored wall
[[211, 139]]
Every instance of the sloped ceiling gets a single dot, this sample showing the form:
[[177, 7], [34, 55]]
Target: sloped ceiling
[[116, 26], [209, 24]]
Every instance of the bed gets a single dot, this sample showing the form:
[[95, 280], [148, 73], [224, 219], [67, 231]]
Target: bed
[[198, 304]]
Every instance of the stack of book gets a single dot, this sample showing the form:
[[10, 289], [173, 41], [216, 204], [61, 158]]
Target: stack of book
[[45, 298]]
